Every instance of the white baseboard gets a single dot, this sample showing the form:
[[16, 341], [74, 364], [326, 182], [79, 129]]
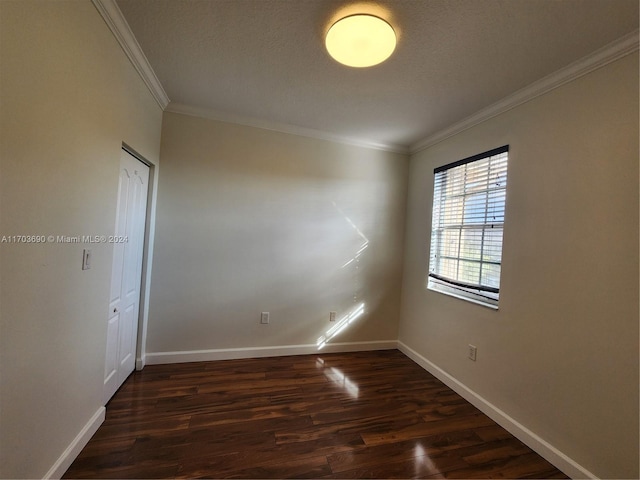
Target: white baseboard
[[570, 467], [259, 352], [75, 447], [141, 362]]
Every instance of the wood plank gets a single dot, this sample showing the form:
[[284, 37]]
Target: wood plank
[[315, 467], [425, 429], [436, 446]]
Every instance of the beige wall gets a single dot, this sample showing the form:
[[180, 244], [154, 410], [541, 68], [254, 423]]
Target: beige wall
[[560, 356], [69, 99], [251, 220]]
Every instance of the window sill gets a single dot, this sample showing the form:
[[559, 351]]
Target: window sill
[[439, 288]]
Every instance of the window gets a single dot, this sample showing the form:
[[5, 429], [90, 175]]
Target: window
[[467, 226]]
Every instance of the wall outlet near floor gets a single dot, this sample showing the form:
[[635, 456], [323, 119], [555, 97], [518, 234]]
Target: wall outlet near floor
[[332, 316], [264, 318], [473, 350]]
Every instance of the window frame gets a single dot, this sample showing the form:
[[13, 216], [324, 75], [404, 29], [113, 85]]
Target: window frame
[[482, 294]]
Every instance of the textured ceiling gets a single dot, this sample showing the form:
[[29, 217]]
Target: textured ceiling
[[265, 59]]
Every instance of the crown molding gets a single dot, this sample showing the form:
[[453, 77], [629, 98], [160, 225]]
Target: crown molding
[[116, 22], [601, 57], [227, 117]]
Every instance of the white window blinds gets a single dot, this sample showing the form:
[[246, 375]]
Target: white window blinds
[[467, 226]]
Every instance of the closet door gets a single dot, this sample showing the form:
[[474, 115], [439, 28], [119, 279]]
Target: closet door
[[126, 275]]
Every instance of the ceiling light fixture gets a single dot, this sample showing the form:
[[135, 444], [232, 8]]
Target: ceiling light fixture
[[360, 40]]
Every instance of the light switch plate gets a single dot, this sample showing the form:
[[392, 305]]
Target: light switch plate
[[86, 259], [473, 352]]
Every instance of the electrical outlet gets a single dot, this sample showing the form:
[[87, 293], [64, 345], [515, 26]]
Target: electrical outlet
[[264, 317], [332, 316], [473, 350]]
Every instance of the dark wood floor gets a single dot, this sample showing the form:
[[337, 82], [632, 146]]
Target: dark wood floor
[[355, 415]]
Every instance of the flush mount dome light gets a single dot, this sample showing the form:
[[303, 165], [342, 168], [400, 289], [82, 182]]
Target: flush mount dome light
[[360, 40]]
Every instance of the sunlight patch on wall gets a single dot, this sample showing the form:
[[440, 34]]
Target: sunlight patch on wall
[[340, 325]]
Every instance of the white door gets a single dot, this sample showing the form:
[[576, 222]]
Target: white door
[[126, 274]]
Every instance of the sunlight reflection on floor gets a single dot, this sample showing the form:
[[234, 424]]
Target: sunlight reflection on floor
[[339, 378]]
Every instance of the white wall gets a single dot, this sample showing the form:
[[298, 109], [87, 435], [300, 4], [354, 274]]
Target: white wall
[[561, 354], [69, 99], [251, 220]]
